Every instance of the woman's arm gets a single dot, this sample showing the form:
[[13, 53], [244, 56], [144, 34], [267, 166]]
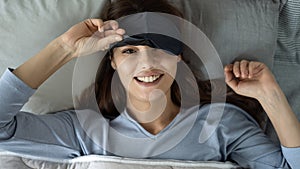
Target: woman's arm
[[94, 32], [48, 135], [254, 79]]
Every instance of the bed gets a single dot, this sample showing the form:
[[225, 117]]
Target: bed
[[263, 30]]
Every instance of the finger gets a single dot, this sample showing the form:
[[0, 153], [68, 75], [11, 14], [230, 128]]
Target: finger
[[105, 42], [230, 79], [228, 68], [244, 66], [120, 31], [97, 23], [251, 69], [111, 24], [236, 69], [255, 68], [109, 32]]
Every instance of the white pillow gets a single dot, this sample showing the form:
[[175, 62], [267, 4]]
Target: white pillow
[[27, 27], [96, 161]]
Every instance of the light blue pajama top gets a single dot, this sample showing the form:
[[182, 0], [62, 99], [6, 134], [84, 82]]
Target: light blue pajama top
[[190, 136]]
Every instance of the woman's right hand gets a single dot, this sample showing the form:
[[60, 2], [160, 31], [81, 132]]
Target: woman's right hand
[[84, 38], [90, 36]]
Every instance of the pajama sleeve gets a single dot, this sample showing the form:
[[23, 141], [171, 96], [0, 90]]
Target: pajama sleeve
[[51, 135], [251, 148]]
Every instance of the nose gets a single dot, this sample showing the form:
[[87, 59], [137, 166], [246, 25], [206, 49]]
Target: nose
[[146, 59]]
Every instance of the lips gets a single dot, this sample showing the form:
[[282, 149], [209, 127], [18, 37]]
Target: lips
[[150, 78]]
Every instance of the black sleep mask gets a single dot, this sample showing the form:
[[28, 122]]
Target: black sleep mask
[[150, 29], [158, 41]]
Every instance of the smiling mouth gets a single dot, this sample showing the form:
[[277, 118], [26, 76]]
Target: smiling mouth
[[148, 79]]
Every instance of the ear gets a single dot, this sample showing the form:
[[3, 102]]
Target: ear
[[113, 64], [179, 58]]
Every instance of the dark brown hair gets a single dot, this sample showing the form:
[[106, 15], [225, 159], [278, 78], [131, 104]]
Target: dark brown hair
[[107, 93], [119, 8]]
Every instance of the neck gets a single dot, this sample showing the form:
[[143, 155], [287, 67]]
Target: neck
[[153, 115]]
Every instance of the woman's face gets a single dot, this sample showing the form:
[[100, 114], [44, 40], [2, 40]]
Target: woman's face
[[143, 69]]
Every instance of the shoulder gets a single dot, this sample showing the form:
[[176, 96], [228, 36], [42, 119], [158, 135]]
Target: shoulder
[[221, 116], [227, 113], [224, 121]]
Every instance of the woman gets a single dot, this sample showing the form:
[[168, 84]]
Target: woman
[[237, 138]]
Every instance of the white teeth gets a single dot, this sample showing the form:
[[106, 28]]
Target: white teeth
[[148, 79]]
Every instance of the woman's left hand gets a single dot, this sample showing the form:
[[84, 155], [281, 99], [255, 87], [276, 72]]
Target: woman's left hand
[[254, 79], [250, 78]]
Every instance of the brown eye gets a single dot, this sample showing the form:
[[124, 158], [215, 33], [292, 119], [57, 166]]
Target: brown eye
[[128, 51]]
